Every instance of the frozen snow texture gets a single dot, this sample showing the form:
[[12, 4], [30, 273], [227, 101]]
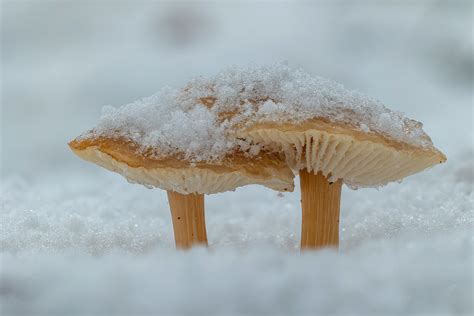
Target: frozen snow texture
[[102, 241], [199, 121], [162, 121], [372, 280]]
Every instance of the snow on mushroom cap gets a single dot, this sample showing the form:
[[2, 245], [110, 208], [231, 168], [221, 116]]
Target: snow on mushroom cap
[[172, 127], [199, 121]]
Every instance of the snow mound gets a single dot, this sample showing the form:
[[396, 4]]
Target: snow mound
[[199, 121]]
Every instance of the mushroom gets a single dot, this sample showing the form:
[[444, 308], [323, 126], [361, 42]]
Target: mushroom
[[329, 134], [253, 125], [122, 145]]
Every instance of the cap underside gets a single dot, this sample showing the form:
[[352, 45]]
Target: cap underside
[[359, 162], [267, 169]]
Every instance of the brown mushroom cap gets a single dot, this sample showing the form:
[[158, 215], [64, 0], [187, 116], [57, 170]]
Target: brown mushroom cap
[[176, 174], [243, 120], [340, 151]]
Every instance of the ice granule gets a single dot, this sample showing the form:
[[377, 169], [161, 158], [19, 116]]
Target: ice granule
[[364, 128], [199, 122]]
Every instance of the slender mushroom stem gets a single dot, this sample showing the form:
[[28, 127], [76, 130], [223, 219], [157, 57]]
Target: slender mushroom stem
[[189, 224], [320, 202]]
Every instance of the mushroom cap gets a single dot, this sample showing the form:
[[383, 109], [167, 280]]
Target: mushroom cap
[[251, 112], [176, 174], [340, 151]]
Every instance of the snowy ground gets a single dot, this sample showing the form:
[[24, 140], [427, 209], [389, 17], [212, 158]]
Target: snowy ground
[[95, 244], [75, 239]]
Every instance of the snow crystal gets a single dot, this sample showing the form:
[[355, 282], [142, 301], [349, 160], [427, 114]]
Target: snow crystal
[[199, 121], [364, 128]]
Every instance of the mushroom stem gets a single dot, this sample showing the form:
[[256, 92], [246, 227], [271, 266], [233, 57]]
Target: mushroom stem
[[189, 224], [320, 202]]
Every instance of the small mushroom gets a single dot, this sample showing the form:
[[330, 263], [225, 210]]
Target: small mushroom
[[185, 182]]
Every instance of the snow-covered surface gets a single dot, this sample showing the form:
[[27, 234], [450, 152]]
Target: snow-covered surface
[[98, 245], [269, 93], [75, 239]]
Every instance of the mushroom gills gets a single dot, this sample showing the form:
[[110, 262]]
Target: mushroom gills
[[361, 163]]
